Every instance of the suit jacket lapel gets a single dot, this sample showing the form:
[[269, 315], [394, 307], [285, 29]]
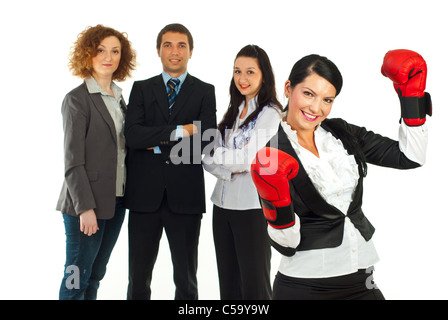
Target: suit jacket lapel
[[303, 185], [161, 97], [182, 97], [102, 109]]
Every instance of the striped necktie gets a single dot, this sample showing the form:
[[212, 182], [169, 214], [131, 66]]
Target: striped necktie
[[172, 84]]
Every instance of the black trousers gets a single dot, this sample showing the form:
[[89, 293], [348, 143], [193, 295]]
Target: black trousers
[[145, 231], [355, 286], [243, 254]]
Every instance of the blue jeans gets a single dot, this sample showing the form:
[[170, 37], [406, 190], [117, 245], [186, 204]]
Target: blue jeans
[[87, 257]]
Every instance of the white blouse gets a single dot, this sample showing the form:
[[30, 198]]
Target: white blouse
[[230, 163], [335, 175]]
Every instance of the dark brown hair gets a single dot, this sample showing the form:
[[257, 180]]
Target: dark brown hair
[[320, 65], [267, 94], [175, 27]]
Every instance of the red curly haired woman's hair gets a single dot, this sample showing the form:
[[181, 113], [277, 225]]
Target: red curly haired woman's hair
[[86, 46]]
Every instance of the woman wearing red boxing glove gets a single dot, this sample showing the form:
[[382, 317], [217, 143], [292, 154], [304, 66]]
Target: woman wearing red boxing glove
[[327, 250]]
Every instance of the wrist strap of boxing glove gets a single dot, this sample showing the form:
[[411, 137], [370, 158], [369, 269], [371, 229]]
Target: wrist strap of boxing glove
[[285, 216], [415, 107]]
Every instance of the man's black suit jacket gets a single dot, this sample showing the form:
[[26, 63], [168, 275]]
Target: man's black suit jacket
[[149, 124]]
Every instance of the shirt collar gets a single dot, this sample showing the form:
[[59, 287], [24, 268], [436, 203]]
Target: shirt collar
[[318, 132], [253, 103], [166, 77], [94, 87]]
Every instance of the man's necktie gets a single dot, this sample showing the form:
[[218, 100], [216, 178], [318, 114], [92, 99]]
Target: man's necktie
[[172, 84]]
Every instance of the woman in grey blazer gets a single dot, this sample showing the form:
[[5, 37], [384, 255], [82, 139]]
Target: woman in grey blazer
[[94, 153]]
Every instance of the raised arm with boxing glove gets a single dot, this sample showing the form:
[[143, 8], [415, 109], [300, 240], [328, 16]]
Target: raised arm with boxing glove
[[407, 69]]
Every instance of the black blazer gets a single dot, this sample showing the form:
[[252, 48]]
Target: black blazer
[[149, 124], [321, 224]]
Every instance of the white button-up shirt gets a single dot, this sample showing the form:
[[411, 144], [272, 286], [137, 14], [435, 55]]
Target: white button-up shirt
[[335, 175], [232, 158]]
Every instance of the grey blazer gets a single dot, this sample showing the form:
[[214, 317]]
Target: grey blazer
[[90, 155]]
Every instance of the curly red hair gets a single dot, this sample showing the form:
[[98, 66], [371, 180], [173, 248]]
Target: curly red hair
[[85, 48]]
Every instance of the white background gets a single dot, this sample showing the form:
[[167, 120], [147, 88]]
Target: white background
[[406, 207]]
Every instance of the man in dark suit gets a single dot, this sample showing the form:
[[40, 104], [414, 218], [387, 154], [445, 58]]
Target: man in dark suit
[[167, 116]]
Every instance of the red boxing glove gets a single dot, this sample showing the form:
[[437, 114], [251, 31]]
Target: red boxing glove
[[271, 171], [407, 70]]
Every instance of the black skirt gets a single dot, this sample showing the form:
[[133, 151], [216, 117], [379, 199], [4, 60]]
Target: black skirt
[[355, 286]]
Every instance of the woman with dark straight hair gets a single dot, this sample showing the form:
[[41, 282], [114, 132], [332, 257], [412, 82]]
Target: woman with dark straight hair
[[312, 192], [267, 94], [242, 249]]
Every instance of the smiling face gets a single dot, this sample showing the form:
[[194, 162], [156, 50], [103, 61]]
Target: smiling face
[[247, 76], [310, 102], [106, 62], [175, 53]]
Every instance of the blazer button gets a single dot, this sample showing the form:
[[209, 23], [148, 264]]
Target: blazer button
[[167, 162]]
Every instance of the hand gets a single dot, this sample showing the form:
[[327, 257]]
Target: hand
[[88, 223], [189, 130], [236, 173]]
